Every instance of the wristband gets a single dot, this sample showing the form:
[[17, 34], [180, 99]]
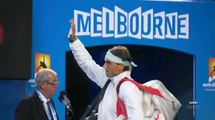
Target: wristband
[[72, 39]]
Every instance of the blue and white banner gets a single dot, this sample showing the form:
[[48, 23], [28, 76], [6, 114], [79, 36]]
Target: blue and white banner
[[139, 24]]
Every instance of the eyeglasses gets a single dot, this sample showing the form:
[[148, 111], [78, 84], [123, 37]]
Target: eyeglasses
[[53, 83]]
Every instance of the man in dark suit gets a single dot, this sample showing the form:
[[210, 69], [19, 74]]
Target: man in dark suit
[[40, 105]]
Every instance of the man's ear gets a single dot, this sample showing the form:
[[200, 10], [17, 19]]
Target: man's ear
[[43, 86], [121, 67]]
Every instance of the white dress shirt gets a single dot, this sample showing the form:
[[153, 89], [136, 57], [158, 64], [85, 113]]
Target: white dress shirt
[[46, 107], [129, 93]]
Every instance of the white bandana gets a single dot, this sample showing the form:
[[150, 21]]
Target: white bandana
[[116, 59]]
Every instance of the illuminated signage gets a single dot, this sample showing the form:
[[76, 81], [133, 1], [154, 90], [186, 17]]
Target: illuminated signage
[[136, 24]]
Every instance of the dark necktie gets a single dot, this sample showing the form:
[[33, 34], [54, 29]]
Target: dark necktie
[[49, 109]]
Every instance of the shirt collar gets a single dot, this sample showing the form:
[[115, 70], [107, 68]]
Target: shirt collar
[[115, 80], [42, 97]]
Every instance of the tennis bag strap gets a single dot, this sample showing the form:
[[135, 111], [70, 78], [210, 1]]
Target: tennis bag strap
[[120, 106], [93, 107]]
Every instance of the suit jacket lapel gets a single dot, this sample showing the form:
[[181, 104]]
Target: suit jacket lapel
[[39, 105]]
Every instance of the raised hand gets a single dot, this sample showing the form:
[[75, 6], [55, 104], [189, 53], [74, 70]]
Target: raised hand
[[71, 36]]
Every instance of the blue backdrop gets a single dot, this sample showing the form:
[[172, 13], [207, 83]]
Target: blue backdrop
[[51, 25]]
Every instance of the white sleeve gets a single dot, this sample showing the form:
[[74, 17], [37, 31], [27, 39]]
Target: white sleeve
[[132, 97], [95, 72]]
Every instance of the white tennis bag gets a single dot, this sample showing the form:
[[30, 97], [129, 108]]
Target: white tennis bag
[[158, 103], [159, 108]]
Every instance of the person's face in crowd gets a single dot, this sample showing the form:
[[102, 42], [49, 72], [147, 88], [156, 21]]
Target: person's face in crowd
[[112, 69], [51, 85]]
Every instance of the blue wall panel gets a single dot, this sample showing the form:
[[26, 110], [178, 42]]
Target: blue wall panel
[[10, 94]]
